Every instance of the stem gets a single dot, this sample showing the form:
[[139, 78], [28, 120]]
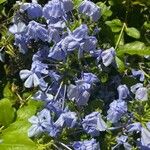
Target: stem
[[63, 103], [58, 91], [120, 35], [64, 145]]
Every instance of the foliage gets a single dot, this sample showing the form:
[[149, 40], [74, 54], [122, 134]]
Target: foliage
[[124, 25]]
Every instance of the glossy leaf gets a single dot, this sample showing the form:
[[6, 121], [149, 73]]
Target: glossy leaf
[[134, 48], [115, 25], [15, 136], [133, 32], [7, 112]]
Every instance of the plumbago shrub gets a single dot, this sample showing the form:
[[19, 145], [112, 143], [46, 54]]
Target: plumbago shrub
[[86, 77]]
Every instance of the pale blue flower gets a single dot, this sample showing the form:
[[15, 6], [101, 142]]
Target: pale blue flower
[[39, 123], [68, 119], [31, 78], [89, 78], [122, 140], [90, 9], [141, 94], [79, 93], [108, 56], [17, 28], [135, 87], [34, 10], [139, 74], [21, 40], [145, 139], [86, 145], [56, 8], [57, 52], [123, 92], [134, 127], [93, 124], [37, 31], [117, 109]]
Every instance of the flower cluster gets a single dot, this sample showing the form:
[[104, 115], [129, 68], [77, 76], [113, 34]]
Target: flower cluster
[[64, 80]]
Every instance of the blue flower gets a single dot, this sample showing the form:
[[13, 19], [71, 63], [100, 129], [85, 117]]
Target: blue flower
[[39, 67], [122, 140], [141, 93], [108, 56], [37, 31], [80, 33], [40, 95], [93, 124], [17, 28], [135, 87], [89, 78], [68, 119], [139, 74], [57, 52], [123, 92], [86, 145], [21, 40], [41, 54], [32, 79], [79, 93], [39, 123], [134, 127], [53, 34], [117, 109], [56, 8], [145, 139], [34, 10], [90, 9]]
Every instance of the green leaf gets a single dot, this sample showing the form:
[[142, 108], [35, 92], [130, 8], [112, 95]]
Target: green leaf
[[7, 92], [2, 1], [27, 111], [115, 25], [134, 48], [120, 65], [105, 11], [7, 112], [146, 25], [15, 136], [133, 32], [76, 3]]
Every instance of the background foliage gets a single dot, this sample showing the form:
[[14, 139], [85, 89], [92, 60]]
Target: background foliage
[[125, 25]]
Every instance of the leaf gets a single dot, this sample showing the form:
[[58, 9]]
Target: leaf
[[120, 65], [146, 25], [27, 111], [7, 92], [77, 3], [2, 1], [115, 25], [15, 136], [133, 32], [134, 48], [105, 11], [7, 112]]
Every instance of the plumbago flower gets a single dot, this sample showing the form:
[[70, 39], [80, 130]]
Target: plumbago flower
[[33, 10], [86, 145], [141, 93], [93, 124], [117, 109], [73, 75]]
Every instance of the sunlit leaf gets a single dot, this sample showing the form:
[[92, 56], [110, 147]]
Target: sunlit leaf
[[7, 112]]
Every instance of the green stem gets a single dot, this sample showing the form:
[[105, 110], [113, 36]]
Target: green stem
[[120, 35]]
